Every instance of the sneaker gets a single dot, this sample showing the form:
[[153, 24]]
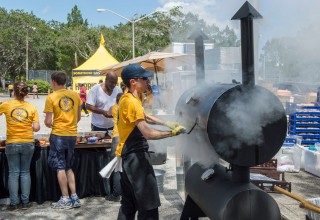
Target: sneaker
[[25, 206], [76, 203], [12, 207], [113, 198], [86, 115], [62, 204]]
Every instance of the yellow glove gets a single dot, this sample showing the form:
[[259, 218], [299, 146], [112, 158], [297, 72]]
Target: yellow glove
[[178, 130], [171, 124]]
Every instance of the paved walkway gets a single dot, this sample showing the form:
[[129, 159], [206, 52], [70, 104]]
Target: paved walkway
[[303, 184]]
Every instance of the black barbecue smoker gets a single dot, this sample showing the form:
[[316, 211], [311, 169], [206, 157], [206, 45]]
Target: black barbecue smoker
[[245, 125]]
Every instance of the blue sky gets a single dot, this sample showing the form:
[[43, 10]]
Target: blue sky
[[58, 9], [280, 17]]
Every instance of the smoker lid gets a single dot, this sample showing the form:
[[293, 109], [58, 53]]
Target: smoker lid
[[247, 126]]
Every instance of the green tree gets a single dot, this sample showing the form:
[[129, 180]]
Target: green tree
[[63, 46], [75, 18], [20, 29], [76, 42]]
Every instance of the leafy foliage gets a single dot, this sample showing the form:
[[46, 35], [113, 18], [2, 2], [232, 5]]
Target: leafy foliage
[[75, 18], [43, 86], [64, 46]]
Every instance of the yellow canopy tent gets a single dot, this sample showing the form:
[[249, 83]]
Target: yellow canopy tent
[[88, 72]]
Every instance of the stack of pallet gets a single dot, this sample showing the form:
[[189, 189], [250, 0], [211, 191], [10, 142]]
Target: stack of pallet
[[304, 120], [266, 176]]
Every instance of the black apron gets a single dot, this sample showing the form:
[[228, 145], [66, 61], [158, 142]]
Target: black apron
[[139, 184]]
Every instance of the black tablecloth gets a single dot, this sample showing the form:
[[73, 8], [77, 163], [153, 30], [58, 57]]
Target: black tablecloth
[[44, 183]]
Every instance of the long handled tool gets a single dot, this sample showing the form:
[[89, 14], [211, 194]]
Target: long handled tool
[[304, 203]]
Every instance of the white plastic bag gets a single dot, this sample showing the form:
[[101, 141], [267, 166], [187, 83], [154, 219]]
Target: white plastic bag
[[113, 165]]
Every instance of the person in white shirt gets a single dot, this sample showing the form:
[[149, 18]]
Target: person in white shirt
[[101, 98]]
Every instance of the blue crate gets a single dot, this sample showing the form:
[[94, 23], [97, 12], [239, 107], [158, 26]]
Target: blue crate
[[286, 144]]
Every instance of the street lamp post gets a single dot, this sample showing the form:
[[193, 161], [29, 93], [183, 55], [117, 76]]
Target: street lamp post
[[129, 20]]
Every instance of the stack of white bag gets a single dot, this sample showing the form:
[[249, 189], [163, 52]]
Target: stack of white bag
[[289, 158], [114, 165]]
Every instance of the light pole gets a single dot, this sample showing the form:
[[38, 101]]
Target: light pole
[[27, 52], [131, 21]]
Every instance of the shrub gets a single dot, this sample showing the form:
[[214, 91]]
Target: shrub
[[43, 86]]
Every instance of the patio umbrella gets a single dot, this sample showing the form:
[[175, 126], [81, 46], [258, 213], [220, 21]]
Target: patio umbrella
[[154, 61]]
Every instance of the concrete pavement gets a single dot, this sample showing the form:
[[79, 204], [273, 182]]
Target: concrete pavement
[[99, 208]]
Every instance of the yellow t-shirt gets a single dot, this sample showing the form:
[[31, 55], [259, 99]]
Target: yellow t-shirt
[[130, 110], [19, 116], [115, 131], [64, 105], [10, 86]]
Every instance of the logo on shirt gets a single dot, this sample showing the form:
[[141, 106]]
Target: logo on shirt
[[66, 103], [19, 115]]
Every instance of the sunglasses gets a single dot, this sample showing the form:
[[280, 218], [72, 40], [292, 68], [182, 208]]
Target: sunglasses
[[143, 78]]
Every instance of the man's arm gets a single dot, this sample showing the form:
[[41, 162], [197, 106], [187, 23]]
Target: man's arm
[[48, 119], [36, 126], [150, 133], [156, 121], [96, 110], [153, 120]]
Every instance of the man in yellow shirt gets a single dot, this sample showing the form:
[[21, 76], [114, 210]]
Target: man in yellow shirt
[[63, 112], [138, 182]]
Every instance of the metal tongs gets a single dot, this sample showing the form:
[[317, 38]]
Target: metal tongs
[[193, 126]]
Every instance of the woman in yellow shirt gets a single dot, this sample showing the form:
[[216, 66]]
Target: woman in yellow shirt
[[22, 120]]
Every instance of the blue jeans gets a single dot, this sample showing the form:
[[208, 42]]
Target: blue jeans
[[19, 157]]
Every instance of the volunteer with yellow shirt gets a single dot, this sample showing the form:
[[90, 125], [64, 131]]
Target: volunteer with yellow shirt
[[22, 120], [116, 187], [138, 182], [63, 112]]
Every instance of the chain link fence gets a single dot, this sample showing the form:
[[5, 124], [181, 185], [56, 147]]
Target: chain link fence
[[44, 75]]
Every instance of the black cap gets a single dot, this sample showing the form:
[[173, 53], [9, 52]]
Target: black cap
[[135, 70]]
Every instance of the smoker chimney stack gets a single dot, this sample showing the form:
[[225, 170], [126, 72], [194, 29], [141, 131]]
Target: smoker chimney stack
[[246, 14], [198, 37]]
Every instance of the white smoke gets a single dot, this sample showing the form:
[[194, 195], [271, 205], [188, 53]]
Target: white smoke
[[280, 18]]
